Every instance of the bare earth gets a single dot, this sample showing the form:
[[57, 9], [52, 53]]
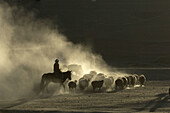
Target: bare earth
[[151, 98]]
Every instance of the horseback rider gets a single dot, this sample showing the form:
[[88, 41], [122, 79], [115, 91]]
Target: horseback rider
[[57, 71]]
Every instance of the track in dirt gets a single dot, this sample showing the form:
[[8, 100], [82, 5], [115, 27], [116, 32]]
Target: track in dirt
[[153, 97]]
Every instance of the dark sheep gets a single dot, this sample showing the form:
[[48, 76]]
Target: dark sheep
[[119, 83], [72, 84], [142, 79], [133, 80], [97, 84]]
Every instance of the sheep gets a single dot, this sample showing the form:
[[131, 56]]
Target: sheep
[[128, 80], [88, 76], [142, 79], [93, 73], [119, 83], [133, 80], [125, 82], [137, 78], [97, 84], [72, 84], [108, 82], [76, 68], [83, 83], [100, 76]]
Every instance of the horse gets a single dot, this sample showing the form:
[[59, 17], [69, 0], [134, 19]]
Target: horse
[[51, 77]]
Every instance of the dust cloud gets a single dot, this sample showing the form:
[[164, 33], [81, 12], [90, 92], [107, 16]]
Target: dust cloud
[[29, 48]]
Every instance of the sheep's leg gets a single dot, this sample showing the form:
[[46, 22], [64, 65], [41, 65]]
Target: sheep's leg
[[69, 89], [121, 86], [140, 84], [116, 87], [93, 88], [74, 90]]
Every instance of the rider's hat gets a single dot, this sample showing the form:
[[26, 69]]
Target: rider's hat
[[56, 60]]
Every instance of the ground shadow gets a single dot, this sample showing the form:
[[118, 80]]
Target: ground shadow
[[156, 103], [25, 100], [163, 100], [19, 102], [33, 111]]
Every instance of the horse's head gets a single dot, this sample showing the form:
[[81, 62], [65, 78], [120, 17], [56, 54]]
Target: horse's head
[[69, 74]]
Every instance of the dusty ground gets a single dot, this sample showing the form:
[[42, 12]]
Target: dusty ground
[[153, 97]]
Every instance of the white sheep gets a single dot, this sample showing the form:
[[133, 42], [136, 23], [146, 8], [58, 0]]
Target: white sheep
[[99, 76], [88, 76], [83, 83], [76, 68], [108, 82]]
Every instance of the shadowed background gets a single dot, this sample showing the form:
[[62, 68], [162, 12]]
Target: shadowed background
[[126, 33]]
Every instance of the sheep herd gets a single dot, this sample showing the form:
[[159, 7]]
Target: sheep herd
[[129, 81], [98, 81]]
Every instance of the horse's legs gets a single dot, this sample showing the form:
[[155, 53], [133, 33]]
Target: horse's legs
[[62, 86], [94, 88], [42, 87], [46, 86]]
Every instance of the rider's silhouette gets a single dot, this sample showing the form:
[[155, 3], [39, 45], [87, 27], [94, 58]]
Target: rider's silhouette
[[57, 71]]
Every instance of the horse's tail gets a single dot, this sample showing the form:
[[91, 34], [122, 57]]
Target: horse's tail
[[42, 82]]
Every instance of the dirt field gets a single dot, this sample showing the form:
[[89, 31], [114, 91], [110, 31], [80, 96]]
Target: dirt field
[[151, 98]]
